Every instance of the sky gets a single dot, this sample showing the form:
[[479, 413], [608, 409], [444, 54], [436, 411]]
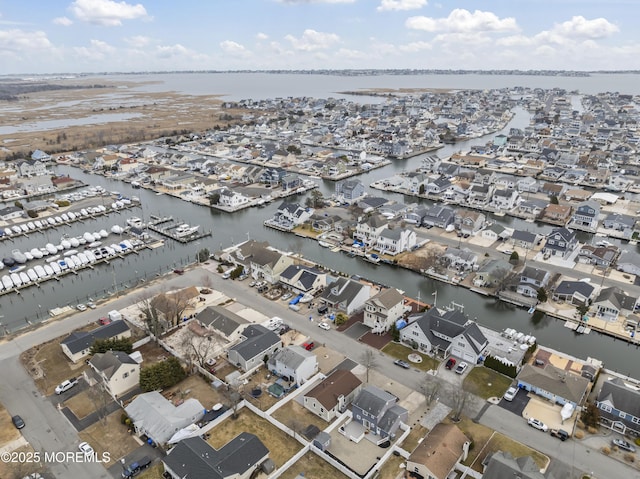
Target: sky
[[54, 36]]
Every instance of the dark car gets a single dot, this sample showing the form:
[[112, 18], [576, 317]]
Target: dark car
[[323, 309], [17, 422], [401, 363], [560, 434], [450, 363], [135, 468]]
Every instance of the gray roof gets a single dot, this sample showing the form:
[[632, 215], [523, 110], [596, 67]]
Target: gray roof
[[195, 458], [307, 275], [342, 289], [373, 400], [617, 297], [291, 356], [258, 339], [503, 465], [109, 362], [390, 417], [475, 337], [621, 397], [570, 287], [79, 341], [221, 319], [556, 381], [524, 236], [536, 274]]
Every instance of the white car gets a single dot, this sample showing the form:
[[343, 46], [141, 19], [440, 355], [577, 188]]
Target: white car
[[85, 448], [510, 394], [324, 326], [81, 307], [462, 367], [537, 424], [91, 305]]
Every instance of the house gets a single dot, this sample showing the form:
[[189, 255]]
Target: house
[[480, 195], [268, 264], [78, 344], [345, 295], [437, 186], [231, 199], [586, 216], [557, 214], [437, 454], [115, 371], [376, 410], [532, 208], [349, 191], [613, 302], [369, 229], [11, 213], [560, 242], [256, 342], [290, 215], [468, 222], [331, 396], [415, 216], [439, 215], [492, 273], [603, 256], [527, 184], [301, 279], [445, 333], [240, 458], [159, 419], [504, 199], [323, 224], [41, 156], [620, 222], [557, 385], [226, 323], [524, 239], [28, 168], [383, 310], [395, 241], [290, 181], [460, 259], [619, 405], [502, 465], [495, 232], [531, 280], [578, 293], [293, 363]]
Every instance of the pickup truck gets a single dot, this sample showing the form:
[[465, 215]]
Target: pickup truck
[[136, 467], [66, 385]]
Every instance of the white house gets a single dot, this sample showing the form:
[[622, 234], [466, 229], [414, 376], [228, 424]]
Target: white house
[[383, 310], [293, 363], [395, 241], [115, 371], [345, 295]]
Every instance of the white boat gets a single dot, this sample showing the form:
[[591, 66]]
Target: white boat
[[184, 230], [53, 258], [74, 242], [324, 244], [40, 271], [58, 219], [88, 237], [28, 255], [306, 298], [103, 233], [83, 258], [95, 244], [71, 262], [6, 282], [59, 247], [48, 270], [84, 212], [51, 248], [16, 230], [450, 228], [127, 244], [65, 217], [81, 240], [36, 253], [56, 267], [45, 251], [135, 222], [24, 228], [90, 256], [72, 215], [77, 262], [66, 244], [117, 229], [18, 256], [51, 221], [31, 225], [38, 224], [110, 251], [97, 253], [71, 252], [32, 274], [16, 268], [24, 277], [101, 208], [63, 264], [15, 277]]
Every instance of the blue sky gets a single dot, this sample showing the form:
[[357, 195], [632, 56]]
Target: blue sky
[[53, 36]]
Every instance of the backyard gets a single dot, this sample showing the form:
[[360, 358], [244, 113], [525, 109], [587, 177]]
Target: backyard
[[195, 386], [486, 383], [281, 446], [295, 416], [499, 442], [154, 472], [81, 405], [400, 351], [112, 437]]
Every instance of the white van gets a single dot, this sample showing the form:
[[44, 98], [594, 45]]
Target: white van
[[226, 274]]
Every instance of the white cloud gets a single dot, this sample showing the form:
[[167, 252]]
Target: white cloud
[[64, 21], [96, 51], [169, 51], [301, 2], [138, 41], [23, 42], [229, 46], [415, 47], [311, 40], [106, 12], [515, 41], [261, 36], [583, 28], [463, 21], [401, 5]]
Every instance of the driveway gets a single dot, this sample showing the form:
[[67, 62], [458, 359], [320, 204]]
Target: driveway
[[518, 404]]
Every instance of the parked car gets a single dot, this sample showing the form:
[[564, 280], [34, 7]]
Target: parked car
[[401, 363], [462, 367], [323, 309], [91, 305], [17, 421], [324, 326], [285, 296], [537, 424], [507, 251], [510, 394], [624, 445], [135, 468], [81, 307], [308, 345], [178, 271], [450, 363], [104, 320], [66, 385], [85, 448], [560, 434], [252, 284]]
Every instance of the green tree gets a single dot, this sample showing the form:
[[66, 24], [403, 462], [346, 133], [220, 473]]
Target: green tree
[[112, 344], [395, 332], [582, 310], [237, 271], [203, 255], [341, 318], [214, 198], [162, 375], [421, 189], [553, 200], [514, 258], [591, 415], [542, 295]]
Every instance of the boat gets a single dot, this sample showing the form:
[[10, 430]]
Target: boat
[[9, 262], [184, 230], [25, 279], [324, 244], [117, 229], [6, 282], [18, 256], [63, 264], [74, 242], [88, 237], [72, 215], [65, 217], [306, 298], [90, 256], [16, 229], [66, 244], [38, 224], [56, 267], [32, 275], [103, 233], [17, 268], [83, 258], [51, 248], [31, 225], [28, 255], [24, 228], [59, 247], [84, 212], [48, 270], [71, 262], [71, 252], [135, 222], [52, 259], [51, 221], [15, 277], [36, 253], [58, 219], [97, 253], [95, 244], [372, 258]]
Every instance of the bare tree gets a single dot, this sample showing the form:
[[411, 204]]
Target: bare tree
[[206, 281], [459, 398], [369, 361], [430, 388], [100, 399], [502, 278], [152, 316], [198, 348], [430, 259], [233, 397], [174, 304]]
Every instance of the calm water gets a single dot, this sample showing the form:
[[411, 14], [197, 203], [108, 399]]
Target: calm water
[[231, 229]]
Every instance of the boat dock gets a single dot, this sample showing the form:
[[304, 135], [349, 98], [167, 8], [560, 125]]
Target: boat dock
[[168, 228]]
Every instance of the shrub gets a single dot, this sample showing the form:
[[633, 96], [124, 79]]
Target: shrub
[[592, 430], [162, 375], [493, 363], [113, 344], [579, 434], [341, 318], [32, 214], [123, 418], [606, 450], [629, 457]]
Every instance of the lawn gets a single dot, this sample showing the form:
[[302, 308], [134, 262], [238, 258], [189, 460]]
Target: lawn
[[391, 468], [499, 442], [400, 351], [296, 416], [81, 404], [259, 380], [15, 470], [195, 386], [8, 432], [311, 465], [478, 434], [486, 383], [412, 440], [281, 446], [154, 472], [112, 437]]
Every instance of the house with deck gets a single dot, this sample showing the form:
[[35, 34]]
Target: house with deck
[[333, 394], [377, 411], [383, 310]]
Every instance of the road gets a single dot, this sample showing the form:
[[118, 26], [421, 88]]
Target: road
[[48, 430]]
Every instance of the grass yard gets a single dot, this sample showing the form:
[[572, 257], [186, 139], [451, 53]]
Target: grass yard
[[81, 404], [281, 447], [478, 434], [14, 470], [152, 353], [400, 351], [311, 465], [154, 472], [499, 442], [8, 432], [48, 366], [259, 380], [412, 440], [391, 468], [112, 437], [486, 383], [297, 417], [195, 386]]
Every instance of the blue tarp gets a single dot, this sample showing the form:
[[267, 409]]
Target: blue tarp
[[401, 323], [296, 300]]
